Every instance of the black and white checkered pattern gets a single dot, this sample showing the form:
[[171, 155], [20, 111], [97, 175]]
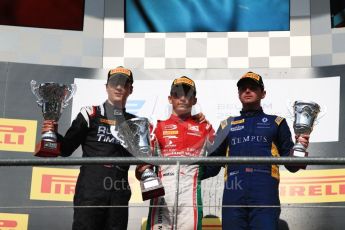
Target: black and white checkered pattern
[[210, 50], [103, 43]]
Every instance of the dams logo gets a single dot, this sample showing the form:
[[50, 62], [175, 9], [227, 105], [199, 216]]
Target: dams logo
[[312, 186], [10, 221], [57, 184], [17, 135]]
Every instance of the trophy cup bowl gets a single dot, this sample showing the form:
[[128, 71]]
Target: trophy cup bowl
[[53, 98], [305, 114], [134, 135]]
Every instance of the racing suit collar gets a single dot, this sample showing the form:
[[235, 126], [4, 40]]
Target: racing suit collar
[[116, 110], [251, 113], [177, 118]]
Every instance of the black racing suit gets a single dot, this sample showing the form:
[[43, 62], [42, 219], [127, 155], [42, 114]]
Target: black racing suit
[[99, 185]]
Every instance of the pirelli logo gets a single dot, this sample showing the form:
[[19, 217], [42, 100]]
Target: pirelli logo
[[313, 186], [120, 70], [106, 121], [237, 122], [17, 135], [251, 75], [53, 184], [184, 81], [11, 221], [170, 132], [58, 184]]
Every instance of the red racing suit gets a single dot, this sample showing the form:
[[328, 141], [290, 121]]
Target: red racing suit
[[177, 138]]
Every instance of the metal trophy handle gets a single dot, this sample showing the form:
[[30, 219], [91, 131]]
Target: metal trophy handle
[[305, 114], [72, 89], [34, 90], [135, 134]]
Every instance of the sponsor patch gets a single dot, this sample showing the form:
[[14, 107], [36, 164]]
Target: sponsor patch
[[234, 173], [120, 70], [169, 143], [278, 120], [251, 75], [237, 128], [193, 128], [170, 132], [198, 134], [106, 121], [237, 122], [170, 127], [183, 81], [223, 124]]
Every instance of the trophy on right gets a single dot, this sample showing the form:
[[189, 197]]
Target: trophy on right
[[305, 114], [134, 135]]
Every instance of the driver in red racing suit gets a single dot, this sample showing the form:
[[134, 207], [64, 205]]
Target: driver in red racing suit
[[181, 135]]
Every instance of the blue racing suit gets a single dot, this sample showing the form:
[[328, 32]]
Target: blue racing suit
[[253, 133]]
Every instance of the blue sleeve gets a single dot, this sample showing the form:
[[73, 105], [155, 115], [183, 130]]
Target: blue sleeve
[[285, 144], [284, 139], [217, 149]]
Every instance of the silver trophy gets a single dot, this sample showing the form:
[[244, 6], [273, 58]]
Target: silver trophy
[[305, 114], [53, 98], [134, 135]]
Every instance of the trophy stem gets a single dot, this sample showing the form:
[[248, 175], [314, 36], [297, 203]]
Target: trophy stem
[[49, 136], [151, 185], [148, 173], [299, 150], [299, 147]]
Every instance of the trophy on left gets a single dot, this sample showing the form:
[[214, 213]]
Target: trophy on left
[[53, 98]]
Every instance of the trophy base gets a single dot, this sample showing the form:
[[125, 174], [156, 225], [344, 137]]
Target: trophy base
[[152, 188], [297, 153], [47, 149]]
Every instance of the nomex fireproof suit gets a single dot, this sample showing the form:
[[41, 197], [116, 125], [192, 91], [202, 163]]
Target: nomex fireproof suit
[[178, 137], [99, 185], [253, 133]]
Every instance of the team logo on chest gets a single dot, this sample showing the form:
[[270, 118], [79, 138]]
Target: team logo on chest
[[264, 124], [193, 130]]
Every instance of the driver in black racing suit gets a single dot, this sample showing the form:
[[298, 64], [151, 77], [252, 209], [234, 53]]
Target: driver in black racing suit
[[95, 128]]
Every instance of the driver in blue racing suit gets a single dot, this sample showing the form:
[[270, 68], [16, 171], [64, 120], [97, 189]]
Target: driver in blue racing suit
[[253, 133]]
